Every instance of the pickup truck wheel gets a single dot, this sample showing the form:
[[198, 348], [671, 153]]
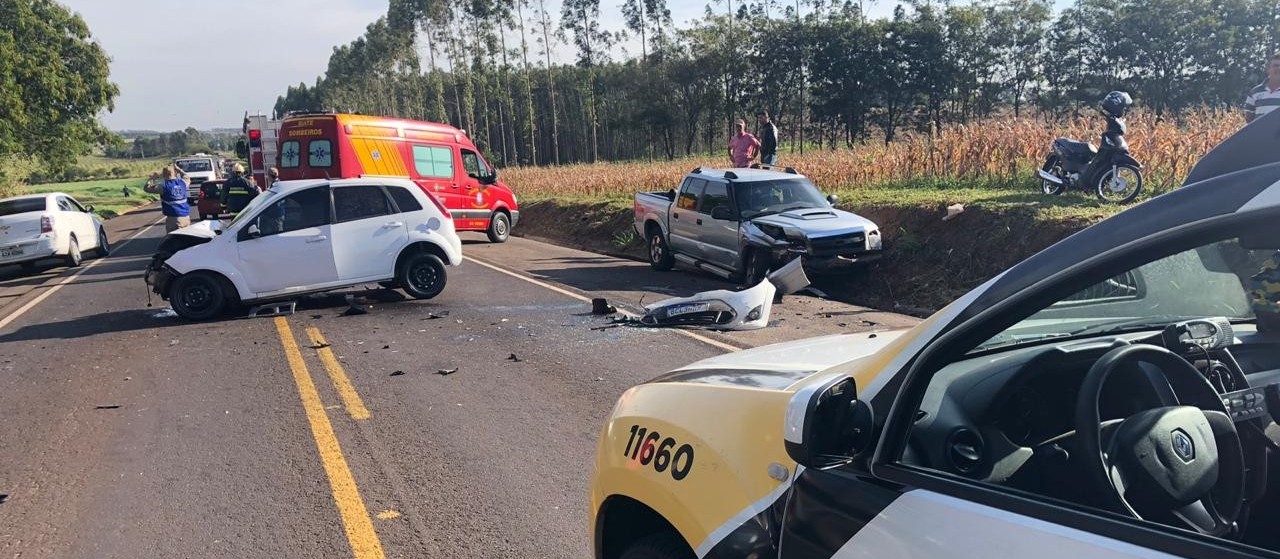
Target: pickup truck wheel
[[197, 296], [757, 267], [660, 257], [499, 228], [422, 275], [658, 546]]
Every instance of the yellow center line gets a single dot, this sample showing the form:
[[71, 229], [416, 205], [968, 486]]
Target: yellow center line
[[355, 517], [350, 398]]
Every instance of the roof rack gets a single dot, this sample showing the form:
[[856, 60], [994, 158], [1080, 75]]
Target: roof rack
[[697, 170], [788, 170], [730, 175]]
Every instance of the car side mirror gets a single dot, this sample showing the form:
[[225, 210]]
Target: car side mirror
[[722, 213], [833, 199], [827, 426], [89, 209], [250, 232]]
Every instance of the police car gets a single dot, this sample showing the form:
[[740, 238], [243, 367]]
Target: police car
[[1112, 396]]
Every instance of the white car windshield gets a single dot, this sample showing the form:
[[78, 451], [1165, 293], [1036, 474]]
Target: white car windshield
[[195, 165], [1221, 279], [253, 205]]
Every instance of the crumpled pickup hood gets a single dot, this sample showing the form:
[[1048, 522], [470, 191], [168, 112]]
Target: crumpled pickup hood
[[818, 221], [779, 366]]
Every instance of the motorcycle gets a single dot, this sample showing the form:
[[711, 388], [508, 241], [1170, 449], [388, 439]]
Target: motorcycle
[[1110, 172]]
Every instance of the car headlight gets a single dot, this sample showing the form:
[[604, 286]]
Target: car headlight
[[874, 242], [772, 231]]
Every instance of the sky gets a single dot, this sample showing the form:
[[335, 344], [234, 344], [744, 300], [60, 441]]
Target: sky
[[183, 63]]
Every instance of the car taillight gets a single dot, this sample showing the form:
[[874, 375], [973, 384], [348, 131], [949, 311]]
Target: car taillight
[[46, 224], [439, 205]]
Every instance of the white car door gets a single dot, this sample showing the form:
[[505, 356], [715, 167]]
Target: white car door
[[288, 245], [69, 222], [86, 228], [367, 233]]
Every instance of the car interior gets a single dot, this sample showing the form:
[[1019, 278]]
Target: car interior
[[1153, 394]]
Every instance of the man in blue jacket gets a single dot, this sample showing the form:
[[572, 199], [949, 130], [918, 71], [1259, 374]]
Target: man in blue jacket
[[173, 198]]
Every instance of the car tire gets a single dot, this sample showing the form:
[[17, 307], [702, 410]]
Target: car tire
[[73, 257], [660, 257], [658, 546], [422, 275], [104, 245], [197, 296], [499, 228], [756, 267]]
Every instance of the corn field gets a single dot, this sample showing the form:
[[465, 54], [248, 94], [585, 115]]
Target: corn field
[[997, 152]]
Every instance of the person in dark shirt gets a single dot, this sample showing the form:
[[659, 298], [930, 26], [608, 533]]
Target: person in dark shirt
[[238, 191], [768, 139]]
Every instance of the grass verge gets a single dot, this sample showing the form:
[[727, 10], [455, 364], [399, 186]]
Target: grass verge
[[106, 196]]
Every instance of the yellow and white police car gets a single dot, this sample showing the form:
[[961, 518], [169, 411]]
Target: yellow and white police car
[[1112, 396]]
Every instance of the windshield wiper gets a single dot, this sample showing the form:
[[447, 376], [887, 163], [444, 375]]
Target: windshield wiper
[[1123, 324], [762, 214]]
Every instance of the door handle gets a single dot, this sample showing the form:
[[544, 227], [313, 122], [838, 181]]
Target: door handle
[[318, 239], [393, 225], [675, 216], [455, 185], [699, 221]]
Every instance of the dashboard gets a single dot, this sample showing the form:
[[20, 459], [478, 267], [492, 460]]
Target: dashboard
[[1008, 416]]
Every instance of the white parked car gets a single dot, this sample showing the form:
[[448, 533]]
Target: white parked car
[[54, 225], [309, 236]]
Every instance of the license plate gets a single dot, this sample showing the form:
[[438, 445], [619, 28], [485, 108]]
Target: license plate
[[687, 309], [11, 252]]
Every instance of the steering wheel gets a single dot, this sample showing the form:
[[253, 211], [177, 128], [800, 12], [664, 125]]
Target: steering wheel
[[1178, 464]]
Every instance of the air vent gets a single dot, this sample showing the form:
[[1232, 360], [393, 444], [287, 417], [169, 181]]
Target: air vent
[[965, 450]]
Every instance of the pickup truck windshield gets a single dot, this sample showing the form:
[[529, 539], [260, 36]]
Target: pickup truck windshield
[[776, 196], [195, 165]]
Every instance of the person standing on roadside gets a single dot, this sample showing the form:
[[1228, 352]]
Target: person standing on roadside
[[768, 139], [742, 146], [238, 190], [172, 189], [1265, 97]]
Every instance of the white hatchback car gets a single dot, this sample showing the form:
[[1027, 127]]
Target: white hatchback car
[[53, 225], [309, 236]]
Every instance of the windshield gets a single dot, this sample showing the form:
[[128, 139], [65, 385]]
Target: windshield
[[776, 196], [195, 165], [10, 207], [1221, 279], [253, 205]]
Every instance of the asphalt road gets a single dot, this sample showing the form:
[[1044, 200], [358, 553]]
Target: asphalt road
[[130, 433]]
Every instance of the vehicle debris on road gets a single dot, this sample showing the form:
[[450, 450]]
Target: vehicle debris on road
[[447, 372], [397, 373], [729, 310], [514, 358]]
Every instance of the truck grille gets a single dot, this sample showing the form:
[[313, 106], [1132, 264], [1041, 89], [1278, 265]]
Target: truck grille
[[838, 244]]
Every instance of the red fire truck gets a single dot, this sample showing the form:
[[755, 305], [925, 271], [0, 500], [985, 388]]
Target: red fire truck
[[263, 135]]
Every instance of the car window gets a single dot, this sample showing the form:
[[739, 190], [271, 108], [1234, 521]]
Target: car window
[[688, 199], [64, 205], [290, 154], [300, 210], [715, 195], [76, 205], [195, 165], [474, 164], [433, 161], [405, 200], [351, 203], [320, 153], [775, 196], [10, 207]]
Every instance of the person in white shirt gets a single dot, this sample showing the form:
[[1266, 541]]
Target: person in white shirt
[[1265, 97]]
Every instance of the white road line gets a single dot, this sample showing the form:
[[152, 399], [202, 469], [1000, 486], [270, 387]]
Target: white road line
[[567, 293], [50, 291]]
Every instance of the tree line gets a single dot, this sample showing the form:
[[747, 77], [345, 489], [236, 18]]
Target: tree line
[[172, 144], [830, 75]]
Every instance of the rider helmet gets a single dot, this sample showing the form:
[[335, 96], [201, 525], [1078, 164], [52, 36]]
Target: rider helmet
[[1116, 103]]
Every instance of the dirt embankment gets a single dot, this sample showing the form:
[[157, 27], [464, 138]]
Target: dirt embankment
[[928, 261]]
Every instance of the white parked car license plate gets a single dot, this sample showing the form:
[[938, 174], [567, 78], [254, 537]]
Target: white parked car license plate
[[12, 251]]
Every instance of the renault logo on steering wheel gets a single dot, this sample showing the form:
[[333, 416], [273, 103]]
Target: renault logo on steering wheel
[[1182, 445]]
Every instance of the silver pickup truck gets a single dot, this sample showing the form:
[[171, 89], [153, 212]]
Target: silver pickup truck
[[741, 223]]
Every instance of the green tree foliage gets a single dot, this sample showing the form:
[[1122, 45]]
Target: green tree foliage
[[826, 72], [53, 83]]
